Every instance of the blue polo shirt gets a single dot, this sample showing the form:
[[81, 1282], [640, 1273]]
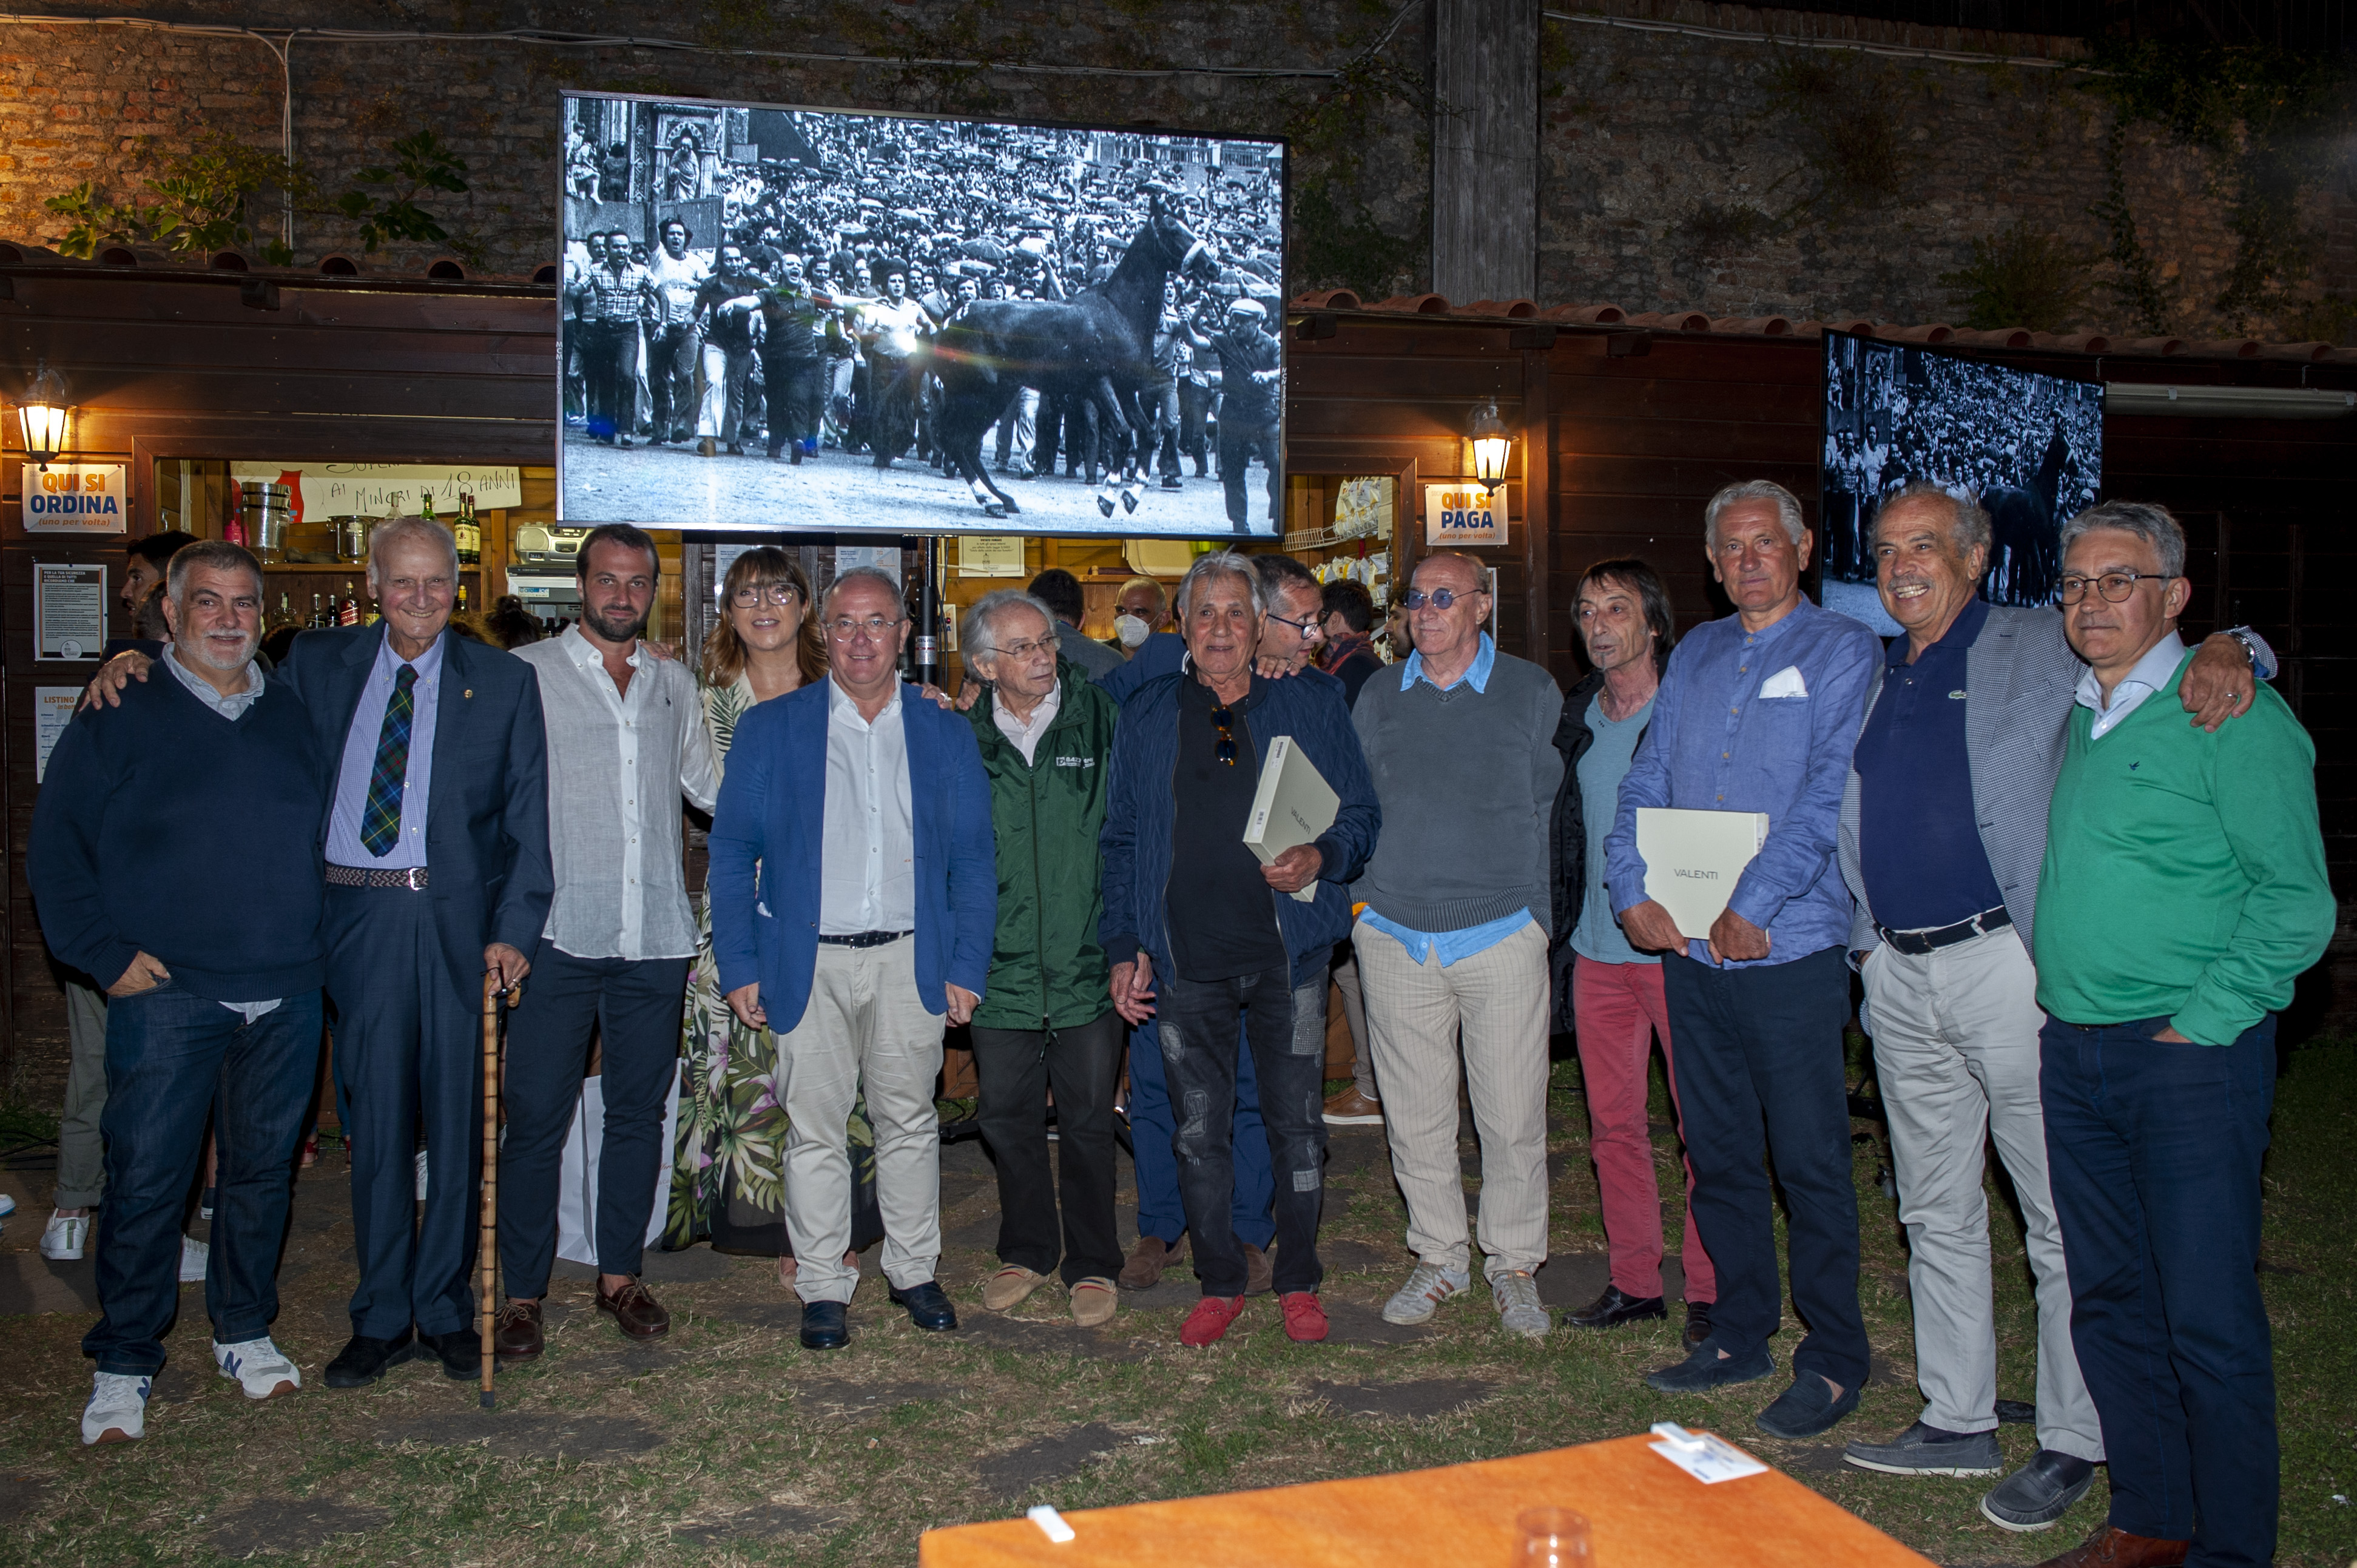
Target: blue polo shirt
[[1918, 840]]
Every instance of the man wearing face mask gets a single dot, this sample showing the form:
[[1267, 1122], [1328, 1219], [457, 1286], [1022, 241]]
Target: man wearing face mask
[[1159, 650], [626, 741]]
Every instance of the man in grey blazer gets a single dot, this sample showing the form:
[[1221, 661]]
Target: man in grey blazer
[[1943, 831]]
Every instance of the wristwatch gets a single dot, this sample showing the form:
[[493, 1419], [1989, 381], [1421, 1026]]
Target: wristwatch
[[2250, 646]]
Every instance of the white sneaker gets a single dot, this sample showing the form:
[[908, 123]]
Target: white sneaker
[[194, 1257], [1516, 1296], [421, 1176], [259, 1367], [117, 1411], [1426, 1288], [8, 1206], [62, 1238]]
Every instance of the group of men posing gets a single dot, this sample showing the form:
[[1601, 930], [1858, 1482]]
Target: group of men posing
[[2075, 914]]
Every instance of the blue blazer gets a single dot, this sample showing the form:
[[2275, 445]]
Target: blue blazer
[[770, 826], [486, 819]]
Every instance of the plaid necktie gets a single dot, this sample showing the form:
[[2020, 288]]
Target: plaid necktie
[[380, 818]]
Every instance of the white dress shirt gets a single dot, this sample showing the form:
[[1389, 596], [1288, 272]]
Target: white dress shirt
[[1025, 736], [617, 768], [2150, 674], [867, 869]]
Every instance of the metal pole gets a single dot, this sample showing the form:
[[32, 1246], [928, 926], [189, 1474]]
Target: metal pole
[[927, 643]]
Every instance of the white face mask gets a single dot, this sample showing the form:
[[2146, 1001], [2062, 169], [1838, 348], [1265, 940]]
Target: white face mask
[[1131, 629]]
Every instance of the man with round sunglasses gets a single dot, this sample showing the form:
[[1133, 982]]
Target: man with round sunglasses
[[1452, 942], [1203, 938]]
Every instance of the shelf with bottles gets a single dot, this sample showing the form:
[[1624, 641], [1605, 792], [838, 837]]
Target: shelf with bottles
[[336, 568]]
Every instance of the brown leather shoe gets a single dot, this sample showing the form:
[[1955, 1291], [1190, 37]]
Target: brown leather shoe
[[1259, 1273], [515, 1333], [1146, 1261], [2109, 1548], [637, 1314]]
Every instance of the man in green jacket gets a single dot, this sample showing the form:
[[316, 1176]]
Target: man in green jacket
[[1046, 1022], [2183, 891]]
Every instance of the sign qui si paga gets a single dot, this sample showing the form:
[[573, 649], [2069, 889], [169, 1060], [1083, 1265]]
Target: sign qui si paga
[[75, 498]]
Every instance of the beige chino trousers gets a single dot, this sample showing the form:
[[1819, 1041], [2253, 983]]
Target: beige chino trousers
[[1416, 1010], [866, 1026]]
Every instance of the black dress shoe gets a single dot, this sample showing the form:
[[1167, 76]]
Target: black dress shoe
[[364, 1361], [461, 1351], [929, 1307], [1697, 1323], [823, 1326], [1615, 1307]]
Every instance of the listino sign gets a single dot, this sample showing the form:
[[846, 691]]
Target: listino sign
[[75, 498], [1464, 514]]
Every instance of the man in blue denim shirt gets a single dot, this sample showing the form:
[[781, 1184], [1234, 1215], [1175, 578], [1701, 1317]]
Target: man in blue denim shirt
[[1759, 713]]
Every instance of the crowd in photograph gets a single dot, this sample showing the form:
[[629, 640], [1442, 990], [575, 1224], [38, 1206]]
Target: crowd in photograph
[[2076, 910], [805, 322]]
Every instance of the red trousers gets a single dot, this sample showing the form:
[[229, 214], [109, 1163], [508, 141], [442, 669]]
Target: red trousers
[[1619, 1010]]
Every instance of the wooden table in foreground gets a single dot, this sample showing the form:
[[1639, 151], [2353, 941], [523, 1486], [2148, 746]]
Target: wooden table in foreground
[[1645, 1512]]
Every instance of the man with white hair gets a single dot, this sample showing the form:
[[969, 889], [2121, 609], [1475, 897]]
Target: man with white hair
[[1046, 1022], [1758, 713], [854, 899], [1192, 917], [207, 935]]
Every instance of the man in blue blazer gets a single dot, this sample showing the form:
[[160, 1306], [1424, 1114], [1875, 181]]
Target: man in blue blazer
[[437, 873], [855, 895]]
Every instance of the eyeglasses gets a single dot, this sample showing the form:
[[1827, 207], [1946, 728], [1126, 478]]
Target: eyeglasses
[[1224, 717], [2116, 587], [1307, 629], [873, 625], [1025, 649], [745, 597], [1439, 598]]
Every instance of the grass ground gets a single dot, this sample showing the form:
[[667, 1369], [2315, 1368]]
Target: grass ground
[[727, 1444]]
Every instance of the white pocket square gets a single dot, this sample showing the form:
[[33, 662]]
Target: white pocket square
[[1785, 682]]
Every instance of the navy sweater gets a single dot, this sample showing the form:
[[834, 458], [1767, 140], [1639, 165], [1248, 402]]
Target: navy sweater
[[163, 827]]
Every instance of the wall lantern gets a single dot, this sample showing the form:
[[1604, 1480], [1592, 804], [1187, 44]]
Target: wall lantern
[[1492, 445], [41, 415]]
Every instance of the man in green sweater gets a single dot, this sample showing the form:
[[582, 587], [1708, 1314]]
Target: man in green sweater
[[2183, 891]]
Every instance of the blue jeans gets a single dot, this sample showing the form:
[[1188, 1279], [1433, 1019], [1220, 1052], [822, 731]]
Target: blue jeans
[[2153, 1151], [1759, 1051], [1201, 1053], [1151, 1129], [171, 1058]]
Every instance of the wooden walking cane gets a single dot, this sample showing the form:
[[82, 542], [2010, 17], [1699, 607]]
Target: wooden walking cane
[[487, 1242]]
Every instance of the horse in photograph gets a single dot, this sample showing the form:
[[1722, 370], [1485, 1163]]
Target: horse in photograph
[[2024, 566], [1096, 346]]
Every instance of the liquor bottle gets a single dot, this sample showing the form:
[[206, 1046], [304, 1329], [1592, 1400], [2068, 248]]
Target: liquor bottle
[[285, 614], [319, 615], [233, 520], [425, 503], [462, 598], [468, 534], [347, 612]]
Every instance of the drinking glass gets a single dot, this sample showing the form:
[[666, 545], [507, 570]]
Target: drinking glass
[[1553, 1537]]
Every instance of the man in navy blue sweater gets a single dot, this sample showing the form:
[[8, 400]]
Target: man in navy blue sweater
[[208, 936]]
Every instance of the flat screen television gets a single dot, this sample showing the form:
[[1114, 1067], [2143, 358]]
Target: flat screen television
[[2029, 445], [792, 319]]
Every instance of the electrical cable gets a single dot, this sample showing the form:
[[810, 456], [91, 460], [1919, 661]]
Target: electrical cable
[[1789, 40]]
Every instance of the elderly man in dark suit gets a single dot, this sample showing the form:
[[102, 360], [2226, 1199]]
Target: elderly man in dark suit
[[1942, 828], [438, 875]]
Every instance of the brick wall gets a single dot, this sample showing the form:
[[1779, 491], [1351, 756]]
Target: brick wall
[[1677, 172]]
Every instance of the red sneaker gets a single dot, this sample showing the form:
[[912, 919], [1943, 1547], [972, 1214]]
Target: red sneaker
[[1305, 1320], [1209, 1320]]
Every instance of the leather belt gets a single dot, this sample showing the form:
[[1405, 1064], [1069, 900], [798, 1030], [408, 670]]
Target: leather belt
[[1921, 942], [410, 876], [862, 938]]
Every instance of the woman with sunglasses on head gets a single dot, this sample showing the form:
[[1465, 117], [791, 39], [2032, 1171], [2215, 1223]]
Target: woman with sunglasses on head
[[728, 1157]]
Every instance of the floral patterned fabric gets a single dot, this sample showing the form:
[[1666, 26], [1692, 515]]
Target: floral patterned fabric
[[728, 1159]]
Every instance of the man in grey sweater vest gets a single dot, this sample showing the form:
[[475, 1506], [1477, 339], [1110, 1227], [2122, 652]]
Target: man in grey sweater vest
[[1461, 745]]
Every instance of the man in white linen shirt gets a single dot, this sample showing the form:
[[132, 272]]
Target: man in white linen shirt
[[626, 741]]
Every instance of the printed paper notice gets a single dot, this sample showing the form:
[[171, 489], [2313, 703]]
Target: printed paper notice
[[990, 555], [52, 706], [69, 611]]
